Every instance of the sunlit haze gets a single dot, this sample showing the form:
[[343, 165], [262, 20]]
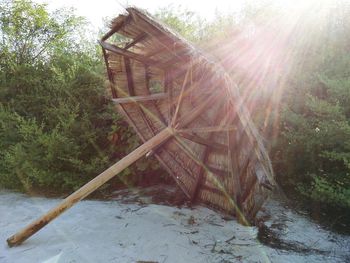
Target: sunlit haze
[[96, 11]]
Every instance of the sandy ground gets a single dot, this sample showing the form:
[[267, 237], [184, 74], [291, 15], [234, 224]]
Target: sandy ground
[[119, 231]]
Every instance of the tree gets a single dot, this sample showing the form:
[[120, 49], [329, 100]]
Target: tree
[[55, 120]]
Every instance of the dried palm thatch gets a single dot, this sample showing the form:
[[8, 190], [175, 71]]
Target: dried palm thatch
[[159, 80], [189, 114]]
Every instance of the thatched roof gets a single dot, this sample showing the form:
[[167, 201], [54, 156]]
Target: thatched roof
[[159, 79]]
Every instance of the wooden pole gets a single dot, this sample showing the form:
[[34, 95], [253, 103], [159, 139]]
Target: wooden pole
[[88, 188]]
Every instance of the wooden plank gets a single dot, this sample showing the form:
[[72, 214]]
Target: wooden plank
[[109, 74], [127, 53], [88, 188], [137, 99], [142, 110], [136, 40]]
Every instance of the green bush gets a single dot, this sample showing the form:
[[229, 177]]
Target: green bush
[[56, 122]]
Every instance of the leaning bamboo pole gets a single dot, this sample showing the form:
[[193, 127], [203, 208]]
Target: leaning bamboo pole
[[88, 188]]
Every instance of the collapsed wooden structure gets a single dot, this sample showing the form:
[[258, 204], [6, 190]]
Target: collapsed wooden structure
[[190, 116], [160, 80]]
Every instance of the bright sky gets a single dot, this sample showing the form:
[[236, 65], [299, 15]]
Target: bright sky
[[95, 11], [98, 11]]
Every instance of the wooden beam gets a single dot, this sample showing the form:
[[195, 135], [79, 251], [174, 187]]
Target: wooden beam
[[117, 27], [127, 53], [184, 121], [109, 74], [137, 99], [181, 96], [136, 40], [131, 55], [131, 89], [141, 135], [88, 188]]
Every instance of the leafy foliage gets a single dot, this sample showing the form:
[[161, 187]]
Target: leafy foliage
[[312, 150], [56, 125]]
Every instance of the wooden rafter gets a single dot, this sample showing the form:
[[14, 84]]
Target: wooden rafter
[[117, 27], [181, 96], [109, 74], [136, 40], [127, 53], [184, 121]]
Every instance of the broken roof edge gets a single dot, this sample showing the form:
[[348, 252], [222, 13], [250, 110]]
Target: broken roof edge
[[171, 33]]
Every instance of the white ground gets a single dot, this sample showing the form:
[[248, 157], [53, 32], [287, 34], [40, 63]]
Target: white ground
[[112, 231]]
